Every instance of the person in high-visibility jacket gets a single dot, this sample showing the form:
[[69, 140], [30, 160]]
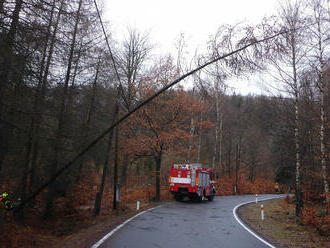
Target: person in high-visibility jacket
[[5, 201], [277, 188]]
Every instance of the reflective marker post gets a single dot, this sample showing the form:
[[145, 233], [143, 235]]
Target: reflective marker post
[[262, 212], [137, 205]]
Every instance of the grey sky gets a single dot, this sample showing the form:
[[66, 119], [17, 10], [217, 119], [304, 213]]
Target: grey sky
[[165, 20]]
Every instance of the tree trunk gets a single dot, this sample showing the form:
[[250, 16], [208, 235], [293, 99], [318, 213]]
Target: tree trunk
[[61, 119], [27, 180], [323, 154], [322, 87], [6, 49], [2, 3], [73, 80], [217, 125], [99, 195], [191, 132], [296, 130], [237, 165], [158, 160], [222, 168], [199, 141], [115, 174], [87, 123], [229, 156], [124, 167]]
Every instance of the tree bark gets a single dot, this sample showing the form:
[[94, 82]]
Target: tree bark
[[296, 130], [115, 174], [237, 164], [6, 48], [99, 195], [199, 140], [192, 131], [222, 168], [217, 125], [2, 3], [158, 159], [87, 123], [322, 88], [61, 119], [27, 180]]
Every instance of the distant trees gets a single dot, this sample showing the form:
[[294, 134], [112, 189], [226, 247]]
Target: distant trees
[[162, 127], [59, 89]]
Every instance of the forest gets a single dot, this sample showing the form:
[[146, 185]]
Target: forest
[[64, 80]]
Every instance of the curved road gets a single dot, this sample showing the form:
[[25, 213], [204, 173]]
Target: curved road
[[187, 224]]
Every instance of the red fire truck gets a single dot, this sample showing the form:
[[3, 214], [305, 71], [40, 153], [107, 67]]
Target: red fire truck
[[195, 181]]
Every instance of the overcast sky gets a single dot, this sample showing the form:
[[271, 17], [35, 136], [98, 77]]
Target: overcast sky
[[166, 19]]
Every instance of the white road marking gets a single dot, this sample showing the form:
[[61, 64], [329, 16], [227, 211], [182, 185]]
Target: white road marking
[[248, 229], [113, 231]]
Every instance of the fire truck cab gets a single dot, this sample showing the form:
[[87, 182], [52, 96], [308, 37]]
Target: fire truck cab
[[195, 181]]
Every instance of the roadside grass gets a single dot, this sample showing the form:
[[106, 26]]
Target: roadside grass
[[77, 230], [280, 226]]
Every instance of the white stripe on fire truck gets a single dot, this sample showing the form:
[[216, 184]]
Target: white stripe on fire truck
[[180, 180]]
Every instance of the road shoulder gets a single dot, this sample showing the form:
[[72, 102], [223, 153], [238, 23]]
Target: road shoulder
[[280, 227]]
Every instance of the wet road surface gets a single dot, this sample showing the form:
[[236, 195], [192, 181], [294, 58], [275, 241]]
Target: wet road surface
[[188, 224]]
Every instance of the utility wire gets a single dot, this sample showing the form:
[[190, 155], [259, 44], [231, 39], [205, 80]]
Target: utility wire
[[108, 45]]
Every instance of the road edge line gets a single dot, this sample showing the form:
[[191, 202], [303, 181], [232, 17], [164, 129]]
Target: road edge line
[[248, 229], [113, 231]]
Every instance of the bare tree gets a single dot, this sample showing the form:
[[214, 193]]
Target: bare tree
[[288, 65], [7, 42], [131, 59], [320, 47], [61, 114]]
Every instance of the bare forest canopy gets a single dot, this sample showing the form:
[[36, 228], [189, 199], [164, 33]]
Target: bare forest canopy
[[62, 85]]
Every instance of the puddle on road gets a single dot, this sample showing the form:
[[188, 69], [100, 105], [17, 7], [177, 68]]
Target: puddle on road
[[215, 217], [148, 228]]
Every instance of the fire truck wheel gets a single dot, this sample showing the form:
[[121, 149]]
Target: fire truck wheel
[[210, 198], [178, 197]]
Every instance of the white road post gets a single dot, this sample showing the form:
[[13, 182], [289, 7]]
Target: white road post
[[262, 212], [137, 205], [256, 198]]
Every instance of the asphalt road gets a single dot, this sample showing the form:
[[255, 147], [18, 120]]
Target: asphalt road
[[188, 224]]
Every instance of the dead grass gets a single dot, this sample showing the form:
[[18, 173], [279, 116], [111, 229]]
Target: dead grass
[[68, 231], [280, 226]]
